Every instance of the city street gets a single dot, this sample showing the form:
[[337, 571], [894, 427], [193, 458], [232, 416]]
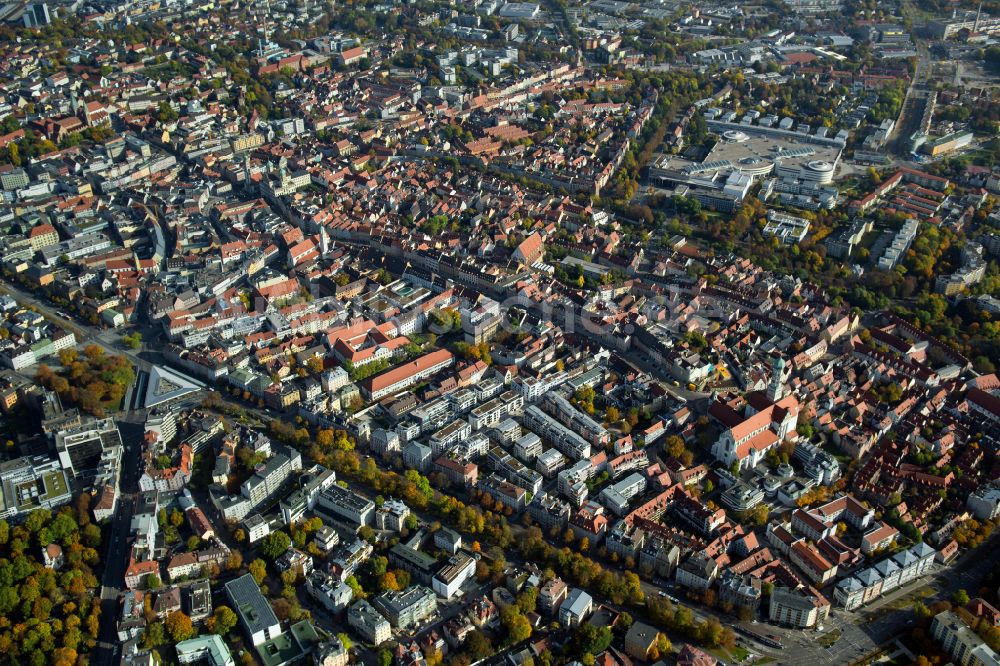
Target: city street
[[115, 558]]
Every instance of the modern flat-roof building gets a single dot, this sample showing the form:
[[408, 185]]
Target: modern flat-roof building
[[528, 447], [326, 538], [32, 482], [723, 179], [198, 600], [255, 613], [449, 580], [419, 565], [210, 649], [549, 462], [492, 412], [289, 647], [616, 497], [556, 434], [342, 504], [269, 477], [81, 450], [561, 408]]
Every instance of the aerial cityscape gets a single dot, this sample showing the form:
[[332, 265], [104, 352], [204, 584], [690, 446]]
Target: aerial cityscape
[[461, 332]]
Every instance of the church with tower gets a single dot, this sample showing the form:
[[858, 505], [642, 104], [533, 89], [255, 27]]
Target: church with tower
[[754, 426]]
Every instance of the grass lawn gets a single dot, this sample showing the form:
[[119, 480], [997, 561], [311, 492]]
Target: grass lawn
[[906, 601], [737, 654], [829, 638]]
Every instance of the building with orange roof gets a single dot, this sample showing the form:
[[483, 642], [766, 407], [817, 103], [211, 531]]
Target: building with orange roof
[[42, 235], [530, 250], [748, 440], [199, 523], [406, 375], [137, 571], [171, 478], [807, 558]]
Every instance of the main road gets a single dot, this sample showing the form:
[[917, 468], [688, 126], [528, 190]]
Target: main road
[[909, 120], [116, 554]]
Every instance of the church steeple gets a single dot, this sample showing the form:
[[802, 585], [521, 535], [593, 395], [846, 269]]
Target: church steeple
[[776, 387]]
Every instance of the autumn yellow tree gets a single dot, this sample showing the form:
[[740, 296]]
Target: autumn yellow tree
[[179, 626], [258, 570], [387, 581]]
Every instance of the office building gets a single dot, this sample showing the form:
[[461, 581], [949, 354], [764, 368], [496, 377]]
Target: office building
[[32, 482], [802, 608], [83, 449], [255, 613], [289, 647], [342, 504], [449, 580], [419, 565]]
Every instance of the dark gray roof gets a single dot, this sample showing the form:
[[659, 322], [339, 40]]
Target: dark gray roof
[[253, 608]]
